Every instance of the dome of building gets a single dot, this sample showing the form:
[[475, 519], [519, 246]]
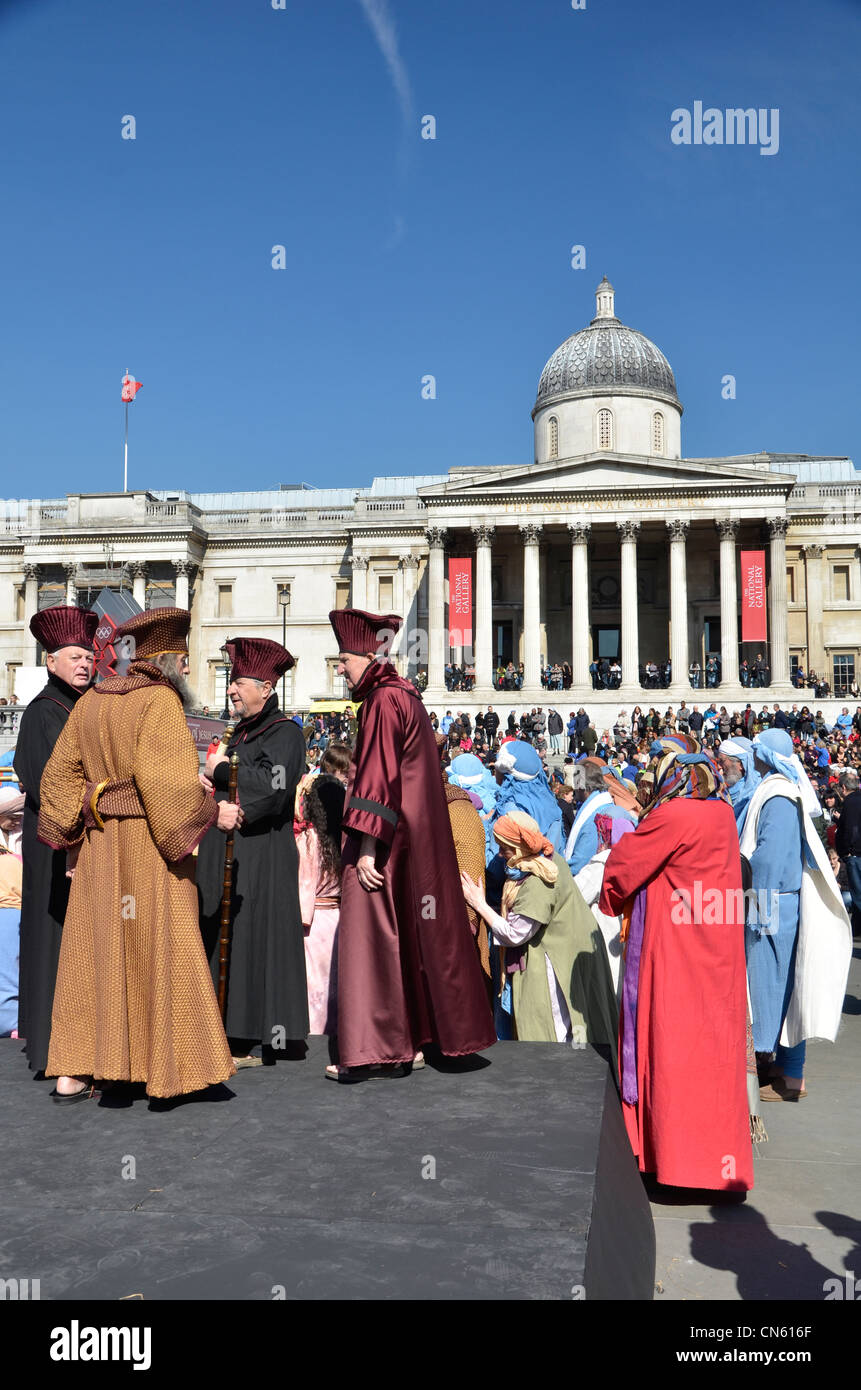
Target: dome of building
[[607, 389], [605, 359]]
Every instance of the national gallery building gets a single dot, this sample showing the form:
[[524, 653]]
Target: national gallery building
[[608, 543]]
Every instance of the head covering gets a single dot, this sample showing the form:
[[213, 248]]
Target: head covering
[[740, 794], [622, 792], [533, 854], [359, 633], [155, 631], [469, 772], [257, 658], [774, 747], [686, 770], [525, 788], [64, 627]]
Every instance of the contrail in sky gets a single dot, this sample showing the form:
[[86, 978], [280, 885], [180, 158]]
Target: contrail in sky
[[379, 18]]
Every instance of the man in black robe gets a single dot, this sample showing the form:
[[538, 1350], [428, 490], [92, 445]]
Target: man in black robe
[[267, 994], [67, 636]]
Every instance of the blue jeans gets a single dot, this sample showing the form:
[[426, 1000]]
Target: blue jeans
[[853, 874]]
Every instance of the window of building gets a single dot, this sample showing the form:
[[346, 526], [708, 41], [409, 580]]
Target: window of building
[[337, 686], [20, 602], [386, 593], [605, 429], [553, 441], [161, 593], [657, 433], [790, 585], [283, 589], [342, 593], [794, 663], [225, 601], [841, 583], [844, 672]]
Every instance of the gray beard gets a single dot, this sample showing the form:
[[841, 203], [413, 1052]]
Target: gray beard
[[184, 691]]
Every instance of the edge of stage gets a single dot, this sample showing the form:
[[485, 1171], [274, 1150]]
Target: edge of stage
[[511, 1180]]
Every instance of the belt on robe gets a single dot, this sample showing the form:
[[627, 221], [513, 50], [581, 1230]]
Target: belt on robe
[[327, 902], [115, 800]]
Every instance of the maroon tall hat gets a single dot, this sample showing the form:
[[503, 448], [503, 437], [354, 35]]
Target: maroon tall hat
[[65, 627], [359, 633], [258, 658]]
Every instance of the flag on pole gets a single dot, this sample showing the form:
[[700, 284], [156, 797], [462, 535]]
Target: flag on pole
[[130, 388]]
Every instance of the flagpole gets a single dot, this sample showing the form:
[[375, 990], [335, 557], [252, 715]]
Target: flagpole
[[126, 454]]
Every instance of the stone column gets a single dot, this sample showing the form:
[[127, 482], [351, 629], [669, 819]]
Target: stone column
[[679, 648], [813, 583], [531, 533], [777, 606], [628, 532], [359, 588], [409, 567], [483, 636], [728, 530], [182, 569], [580, 627], [139, 574], [71, 568], [436, 536], [31, 607]]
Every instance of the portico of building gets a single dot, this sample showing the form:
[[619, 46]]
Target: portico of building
[[638, 573]]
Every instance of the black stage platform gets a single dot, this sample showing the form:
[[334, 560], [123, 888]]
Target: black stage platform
[[294, 1186]]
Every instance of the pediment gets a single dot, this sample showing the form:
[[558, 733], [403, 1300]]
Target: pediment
[[599, 472]]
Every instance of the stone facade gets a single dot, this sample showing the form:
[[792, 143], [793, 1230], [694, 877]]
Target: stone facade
[[631, 552]]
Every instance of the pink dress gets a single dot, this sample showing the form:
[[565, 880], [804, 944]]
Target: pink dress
[[320, 901]]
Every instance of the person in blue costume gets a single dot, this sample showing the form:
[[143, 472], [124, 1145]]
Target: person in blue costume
[[607, 792], [736, 759], [771, 931], [523, 786], [469, 772]]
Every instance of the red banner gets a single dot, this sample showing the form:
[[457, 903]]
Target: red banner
[[460, 603], [753, 624]]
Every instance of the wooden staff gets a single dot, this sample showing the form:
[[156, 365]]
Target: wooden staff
[[226, 894]]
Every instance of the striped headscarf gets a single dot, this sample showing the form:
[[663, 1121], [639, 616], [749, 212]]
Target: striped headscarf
[[533, 854], [685, 769]]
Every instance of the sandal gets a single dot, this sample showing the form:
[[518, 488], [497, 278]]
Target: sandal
[[778, 1090], [240, 1062], [377, 1071], [86, 1093]]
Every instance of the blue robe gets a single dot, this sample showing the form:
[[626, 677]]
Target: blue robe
[[771, 931]]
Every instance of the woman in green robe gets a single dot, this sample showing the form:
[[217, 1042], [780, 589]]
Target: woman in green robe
[[553, 952]]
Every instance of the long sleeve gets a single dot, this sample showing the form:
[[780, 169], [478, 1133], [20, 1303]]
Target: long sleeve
[[270, 768], [178, 810], [61, 792], [374, 804], [41, 726], [515, 930], [633, 861], [308, 847]]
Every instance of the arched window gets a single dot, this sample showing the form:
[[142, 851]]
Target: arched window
[[657, 433], [553, 437], [605, 429]]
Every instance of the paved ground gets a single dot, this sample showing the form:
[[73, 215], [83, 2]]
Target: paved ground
[[474, 1184], [319, 1188], [799, 1226]]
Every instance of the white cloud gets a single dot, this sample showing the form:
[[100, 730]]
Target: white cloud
[[383, 27]]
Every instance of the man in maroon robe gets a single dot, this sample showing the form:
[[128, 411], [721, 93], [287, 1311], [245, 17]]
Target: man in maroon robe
[[408, 973]]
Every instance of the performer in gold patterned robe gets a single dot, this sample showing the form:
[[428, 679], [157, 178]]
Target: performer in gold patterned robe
[[134, 998]]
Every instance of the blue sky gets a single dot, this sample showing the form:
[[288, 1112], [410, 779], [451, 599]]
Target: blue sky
[[301, 127]]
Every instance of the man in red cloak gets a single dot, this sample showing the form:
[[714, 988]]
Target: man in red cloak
[[408, 973]]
